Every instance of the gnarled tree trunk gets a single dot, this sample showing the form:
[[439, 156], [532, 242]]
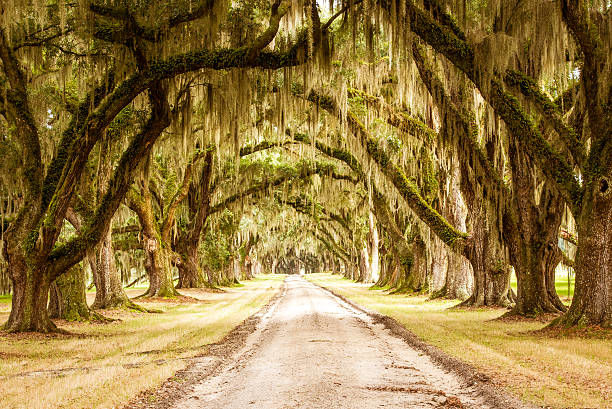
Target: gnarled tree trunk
[[413, 270], [533, 237], [30, 296], [68, 298], [592, 302], [158, 255], [107, 279], [159, 268], [190, 273]]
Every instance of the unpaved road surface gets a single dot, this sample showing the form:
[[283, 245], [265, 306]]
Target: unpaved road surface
[[313, 350]]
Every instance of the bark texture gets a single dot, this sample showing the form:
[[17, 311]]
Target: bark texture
[[68, 299]]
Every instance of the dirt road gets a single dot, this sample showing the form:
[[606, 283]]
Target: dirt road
[[313, 350]]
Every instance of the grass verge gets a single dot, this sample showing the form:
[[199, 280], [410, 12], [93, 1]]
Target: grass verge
[[104, 365], [555, 372]]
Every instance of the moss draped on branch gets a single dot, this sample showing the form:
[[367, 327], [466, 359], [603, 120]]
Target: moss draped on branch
[[407, 188], [460, 53]]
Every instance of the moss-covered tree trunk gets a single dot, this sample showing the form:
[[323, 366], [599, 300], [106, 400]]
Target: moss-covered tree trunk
[[386, 258], [374, 243], [106, 276], [188, 242], [158, 267], [247, 268], [459, 282], [191, 274], [532, 234], [157, 255], [552, 256], [453, 274], [107, 279], [235, 270], [486, 256], [395, 270], [68, 297], [592, 302], [30, 296], [334, 266], [413, 277]]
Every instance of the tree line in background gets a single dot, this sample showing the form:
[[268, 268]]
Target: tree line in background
[[429, 146]]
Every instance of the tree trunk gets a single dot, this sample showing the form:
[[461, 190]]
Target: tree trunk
[[413, 271], [247, 268], [491, 273], [592, 302], [334, 265], [106, 276], [455, 276], [440, 272], [459, 278], [551, 259], [386, 267], [532, 235], [68, 299], [159, 269], [157, 255], [107, 279], [30, 296], [190, 273], [365, 274]]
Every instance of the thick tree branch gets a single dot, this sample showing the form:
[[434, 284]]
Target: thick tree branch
[[460, 53], [549, 111], [400, 120], [462, 124], [65, 256], [180, 195], [320, 169], [19, 113], [406, 188]]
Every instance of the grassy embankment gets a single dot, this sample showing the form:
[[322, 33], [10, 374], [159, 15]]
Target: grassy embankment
[[104, 365], [549, 370]]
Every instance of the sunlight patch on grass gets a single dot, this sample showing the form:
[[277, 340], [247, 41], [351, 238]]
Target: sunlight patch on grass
[[563, 372]]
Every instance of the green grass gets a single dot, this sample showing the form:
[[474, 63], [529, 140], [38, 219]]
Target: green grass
[[5, 299], [105, 365], [556, 372]]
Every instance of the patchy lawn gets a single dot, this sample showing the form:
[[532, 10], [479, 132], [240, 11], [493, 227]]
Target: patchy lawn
[[553, 371], [104, 365]]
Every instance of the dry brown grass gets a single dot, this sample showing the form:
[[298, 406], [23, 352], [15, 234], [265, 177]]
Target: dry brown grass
[[104, 365], [552, 369]]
